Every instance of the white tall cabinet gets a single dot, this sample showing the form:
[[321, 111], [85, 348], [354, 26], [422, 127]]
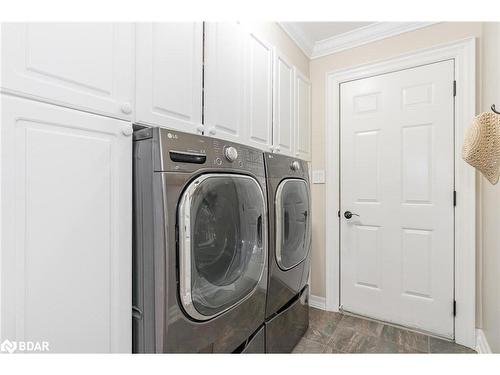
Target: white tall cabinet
[[238, 85], [259, 83], [79, 65], [302, 136], [283, 125], [169, 66], [225, 81], [66, 219]]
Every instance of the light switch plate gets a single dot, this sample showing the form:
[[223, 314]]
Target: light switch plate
[[318, 177]]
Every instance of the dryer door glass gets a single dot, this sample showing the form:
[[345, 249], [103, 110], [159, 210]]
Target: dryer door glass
[[293, 222], [222, 242]]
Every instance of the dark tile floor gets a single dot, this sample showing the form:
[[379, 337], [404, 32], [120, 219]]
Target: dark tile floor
[[331, 332]]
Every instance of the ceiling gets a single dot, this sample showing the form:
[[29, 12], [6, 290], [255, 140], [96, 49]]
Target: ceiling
[[318, 39]]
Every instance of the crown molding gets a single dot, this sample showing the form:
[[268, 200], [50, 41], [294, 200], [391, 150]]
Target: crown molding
[[351, 39], [302, 41], [364, 35]]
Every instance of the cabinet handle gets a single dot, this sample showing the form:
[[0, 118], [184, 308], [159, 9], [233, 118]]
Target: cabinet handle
[[127, 131], [278, 148], [127, 108], [200, 128], [212, 131]]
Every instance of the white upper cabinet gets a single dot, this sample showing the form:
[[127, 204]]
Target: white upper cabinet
[[169, 75], [87, 66], [302, 145], [283, 125], [225, 81], [66, 228], [259, 128]]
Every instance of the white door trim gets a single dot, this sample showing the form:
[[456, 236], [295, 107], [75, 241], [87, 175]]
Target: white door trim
[[464, 54]]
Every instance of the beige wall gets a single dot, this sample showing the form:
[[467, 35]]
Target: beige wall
[[419, 39], [489, 277], [275, 35]]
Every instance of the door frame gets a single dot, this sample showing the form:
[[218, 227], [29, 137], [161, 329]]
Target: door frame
[[463, 52]]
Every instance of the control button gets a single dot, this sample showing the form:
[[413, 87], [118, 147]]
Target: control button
[[231, 153], [295, 166], [240, 163], [218, 161]]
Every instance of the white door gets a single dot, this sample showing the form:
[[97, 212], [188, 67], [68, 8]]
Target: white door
[[66, 228], [302, 145], [224, 104], [283, 124], [397, 174], [260, 95], [169, 75], [88, 66]]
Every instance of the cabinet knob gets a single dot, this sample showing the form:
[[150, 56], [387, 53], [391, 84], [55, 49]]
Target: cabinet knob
[[127, 131], [127, 108], [212, 131], [200, 128]]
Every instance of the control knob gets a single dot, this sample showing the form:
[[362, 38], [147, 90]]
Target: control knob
[[295, 166], [231, 153]]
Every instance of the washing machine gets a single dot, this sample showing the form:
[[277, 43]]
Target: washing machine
[[287, 311], [200, 240]]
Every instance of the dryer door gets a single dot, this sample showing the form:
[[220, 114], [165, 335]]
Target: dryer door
[[222, 243], [293, 222]]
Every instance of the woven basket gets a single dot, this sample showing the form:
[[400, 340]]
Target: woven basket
[[481, 147]]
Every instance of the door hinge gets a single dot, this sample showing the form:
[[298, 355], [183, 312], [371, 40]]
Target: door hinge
[[454, 88], [454, 198], [454, 308]]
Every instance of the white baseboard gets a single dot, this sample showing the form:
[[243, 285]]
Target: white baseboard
[[482, 346], [317, 302]]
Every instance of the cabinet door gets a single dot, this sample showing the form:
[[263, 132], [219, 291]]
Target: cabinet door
[[169, 75], [87, 66], [66, 228], [283, 124], [302, 146], [259, 125], [225, 109]]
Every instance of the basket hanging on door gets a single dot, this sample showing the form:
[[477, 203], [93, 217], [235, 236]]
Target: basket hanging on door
[[481, 147]]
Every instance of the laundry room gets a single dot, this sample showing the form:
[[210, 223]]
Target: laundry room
[[283, 182]]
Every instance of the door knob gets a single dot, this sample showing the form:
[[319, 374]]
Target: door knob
[[126, 108], [349, 214]]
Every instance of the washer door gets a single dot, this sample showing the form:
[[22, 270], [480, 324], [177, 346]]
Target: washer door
[[293, 222], [222, 243]]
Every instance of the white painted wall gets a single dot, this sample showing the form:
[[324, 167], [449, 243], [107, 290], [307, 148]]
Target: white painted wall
[[489, 241]]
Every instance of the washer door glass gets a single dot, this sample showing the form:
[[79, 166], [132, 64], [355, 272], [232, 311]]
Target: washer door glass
[[293, 222], [222, 242]]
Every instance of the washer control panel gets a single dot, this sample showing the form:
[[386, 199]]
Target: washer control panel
[[186, 152]]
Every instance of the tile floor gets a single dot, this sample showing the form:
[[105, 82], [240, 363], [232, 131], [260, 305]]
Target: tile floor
[[331, 332]]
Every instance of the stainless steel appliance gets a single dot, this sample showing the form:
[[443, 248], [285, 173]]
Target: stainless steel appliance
[[287, 314], [200, 244]]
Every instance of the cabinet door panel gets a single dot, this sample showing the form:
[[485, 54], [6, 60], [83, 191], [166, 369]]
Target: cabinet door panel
[[225, 109], [66, 228], [283, 124], [169, 75], [259, 128], [86, 66], [302, 117]]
